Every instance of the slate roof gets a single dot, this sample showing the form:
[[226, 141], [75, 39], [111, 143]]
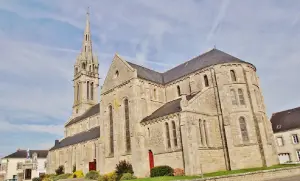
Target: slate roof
[[207, 59], [91, 134], [147, 74], [90, 112], [286, 120], [166, 109], [23, 154]]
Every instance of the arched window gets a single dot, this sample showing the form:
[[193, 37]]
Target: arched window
[[154, 93], [233, 97], [86, 37], [76, 70], [127, 126], [168, 135], [92, 90], [205, 132], [83, 66], [232, 74], [206, 81], [244, 130], [90, 68], [88, 90], [201, 132], [85, 48], [174, 133], [241, 96], [178, 90], [148, 132], [111, 130]]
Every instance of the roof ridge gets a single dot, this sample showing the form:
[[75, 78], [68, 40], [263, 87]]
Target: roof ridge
[[286, 110], [191, 59]]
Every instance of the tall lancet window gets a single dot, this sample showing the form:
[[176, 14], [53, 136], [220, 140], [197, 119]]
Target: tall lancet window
[[232, 74], [88, 90], [178, 90], [92, 90], [78, 91], [111, 131], [206, 81], [127, 126], [244, 131], [233, 97], [168, 135], [174, 134]]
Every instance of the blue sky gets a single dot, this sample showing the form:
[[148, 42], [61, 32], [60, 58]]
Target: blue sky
[[40, 40]]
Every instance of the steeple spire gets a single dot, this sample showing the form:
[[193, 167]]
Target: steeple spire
[[87, 42]]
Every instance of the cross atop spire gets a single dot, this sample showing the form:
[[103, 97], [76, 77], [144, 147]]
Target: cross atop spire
[[87, 42]]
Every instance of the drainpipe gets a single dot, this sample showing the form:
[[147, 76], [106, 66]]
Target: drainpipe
[[221, 122]]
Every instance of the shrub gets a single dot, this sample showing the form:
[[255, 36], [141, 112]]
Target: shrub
[[163, 170], [62, 176], [112, 176], [127, 176], [47, 179], [36, 179], [92, 175], [123, 167], [77, 174], [178, 172], [60, 170]]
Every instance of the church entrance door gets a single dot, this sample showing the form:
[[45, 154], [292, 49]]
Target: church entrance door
[[151, 159]]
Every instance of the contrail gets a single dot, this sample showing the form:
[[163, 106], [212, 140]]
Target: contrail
[[218, 20]]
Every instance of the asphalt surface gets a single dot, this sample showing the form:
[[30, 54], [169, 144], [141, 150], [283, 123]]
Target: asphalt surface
[[295, 178]]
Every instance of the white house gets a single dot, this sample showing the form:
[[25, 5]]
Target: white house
[[23, 165], [286, 128]]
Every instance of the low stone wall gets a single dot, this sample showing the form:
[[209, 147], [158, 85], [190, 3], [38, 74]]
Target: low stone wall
[[263, 175]]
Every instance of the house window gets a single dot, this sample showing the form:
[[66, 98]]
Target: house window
[[241, 96], [178, 90], [88, 89], [295, 139], [298, 154], [28, 174], [111, 131], [279, 141], [174, 133], [232, 74], [168, 135], [244, 130], [233, 97], [127, 126], [206, 81]]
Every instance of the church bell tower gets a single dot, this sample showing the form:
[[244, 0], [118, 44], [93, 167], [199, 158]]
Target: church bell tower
[[86, 76]]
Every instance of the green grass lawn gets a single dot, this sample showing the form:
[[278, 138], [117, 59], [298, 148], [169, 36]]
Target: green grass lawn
[[214, 174]]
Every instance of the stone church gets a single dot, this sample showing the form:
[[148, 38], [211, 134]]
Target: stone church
[[205, 115]]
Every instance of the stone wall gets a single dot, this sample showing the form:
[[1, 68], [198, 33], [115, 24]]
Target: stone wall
[[258, 175]]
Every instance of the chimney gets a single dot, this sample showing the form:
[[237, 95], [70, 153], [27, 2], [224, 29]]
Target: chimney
[[56, 143]]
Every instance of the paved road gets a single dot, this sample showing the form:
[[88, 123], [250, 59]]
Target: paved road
[[295, 178]]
